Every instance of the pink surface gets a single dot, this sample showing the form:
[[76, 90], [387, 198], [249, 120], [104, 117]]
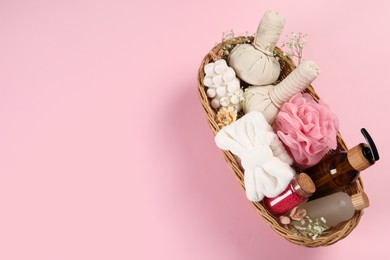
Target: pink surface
[[104, 149]]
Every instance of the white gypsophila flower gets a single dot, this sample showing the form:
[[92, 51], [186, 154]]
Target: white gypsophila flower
[[295, 43]]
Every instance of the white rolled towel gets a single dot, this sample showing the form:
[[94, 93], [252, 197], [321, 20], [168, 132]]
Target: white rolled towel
[[263, 157]]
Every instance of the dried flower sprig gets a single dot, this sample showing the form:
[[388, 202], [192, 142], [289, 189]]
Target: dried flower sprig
[[230, 40], [228, 35], [310, 228], [295, 44]]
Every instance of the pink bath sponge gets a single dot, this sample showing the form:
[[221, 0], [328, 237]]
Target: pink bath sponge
[[308, 129]]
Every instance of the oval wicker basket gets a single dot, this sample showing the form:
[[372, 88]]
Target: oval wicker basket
[[330, 236]]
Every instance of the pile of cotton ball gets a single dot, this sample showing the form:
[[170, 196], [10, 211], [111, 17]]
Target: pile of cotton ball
[[223, 85]]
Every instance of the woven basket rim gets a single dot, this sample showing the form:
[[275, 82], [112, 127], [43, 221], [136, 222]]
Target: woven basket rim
[[329, 237]]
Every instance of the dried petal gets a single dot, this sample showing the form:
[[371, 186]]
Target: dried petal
[[284, 220], [299, 214]]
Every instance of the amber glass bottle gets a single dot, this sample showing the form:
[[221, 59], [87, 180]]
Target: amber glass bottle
[[342, 168]]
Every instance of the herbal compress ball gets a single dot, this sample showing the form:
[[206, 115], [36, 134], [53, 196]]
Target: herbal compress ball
[[255, 63]]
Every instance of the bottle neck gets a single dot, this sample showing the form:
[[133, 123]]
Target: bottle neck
[[303, 185], [356, 158]]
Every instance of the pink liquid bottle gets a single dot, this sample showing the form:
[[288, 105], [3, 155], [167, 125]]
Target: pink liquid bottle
[[297, 192]]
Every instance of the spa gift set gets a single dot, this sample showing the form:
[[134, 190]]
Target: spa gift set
[[280, 139]]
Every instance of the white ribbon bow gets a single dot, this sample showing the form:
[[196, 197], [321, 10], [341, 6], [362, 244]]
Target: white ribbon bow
[[263, 157]]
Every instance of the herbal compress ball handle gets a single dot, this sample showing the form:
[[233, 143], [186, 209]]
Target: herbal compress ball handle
[[268, 32], [294, 83]]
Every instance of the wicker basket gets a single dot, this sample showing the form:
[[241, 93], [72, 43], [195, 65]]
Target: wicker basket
[[330, 236]]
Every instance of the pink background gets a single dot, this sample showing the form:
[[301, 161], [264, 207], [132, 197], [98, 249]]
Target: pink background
[[104, 149]]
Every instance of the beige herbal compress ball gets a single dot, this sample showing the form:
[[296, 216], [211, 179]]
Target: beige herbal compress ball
[[269, 99], [255, 63]]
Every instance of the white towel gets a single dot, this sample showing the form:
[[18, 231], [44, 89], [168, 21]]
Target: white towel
[[263, 157]]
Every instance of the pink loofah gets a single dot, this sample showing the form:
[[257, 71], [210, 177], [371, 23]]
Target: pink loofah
[[307, 128]]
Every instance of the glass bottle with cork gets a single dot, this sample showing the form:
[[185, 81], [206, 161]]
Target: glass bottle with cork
[[297, 192], [341, 168], [335, 208]]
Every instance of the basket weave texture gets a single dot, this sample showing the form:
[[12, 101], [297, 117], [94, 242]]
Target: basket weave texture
[[330, 236]]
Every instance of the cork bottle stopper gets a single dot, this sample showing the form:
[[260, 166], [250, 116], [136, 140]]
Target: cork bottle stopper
[[360, 201], [356, 158], [306, 183]]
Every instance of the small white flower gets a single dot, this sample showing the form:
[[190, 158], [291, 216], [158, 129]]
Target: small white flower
[[224, 101], [296, 43]]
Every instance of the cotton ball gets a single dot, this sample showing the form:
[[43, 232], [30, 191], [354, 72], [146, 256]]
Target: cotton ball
[[217, 80], [220, 66], [233, 85], [221, 91], [224, 101], [229, 75], [215, 103], [209, 68], [222, 83], [234, 99], [239, 93], [208, 81], [211, 92]]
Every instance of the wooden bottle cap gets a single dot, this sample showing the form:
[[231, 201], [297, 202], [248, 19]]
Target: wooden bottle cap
[[306, 183], [356, 158], [360, 201]]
